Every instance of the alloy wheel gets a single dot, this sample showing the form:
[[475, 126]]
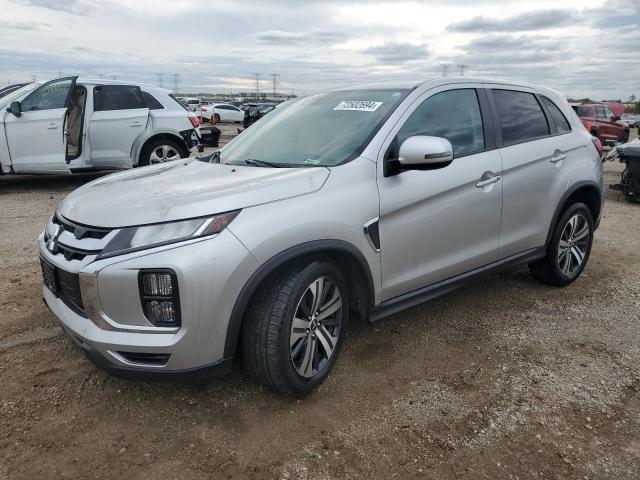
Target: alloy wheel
[[164, 153], [316, 327], [573, 245]]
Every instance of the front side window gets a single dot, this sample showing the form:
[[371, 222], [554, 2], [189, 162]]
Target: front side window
[[558, 117], [609, 114], [48, 96], [521, 116], [454, 115], [322, 130], [117, 97], [601, 113], [585, 112]]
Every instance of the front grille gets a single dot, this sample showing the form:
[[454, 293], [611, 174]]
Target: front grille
[[64, 285], [80, 231]]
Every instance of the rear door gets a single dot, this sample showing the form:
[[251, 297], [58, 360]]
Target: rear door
[[36, 138], [530, 160], [120, 116]]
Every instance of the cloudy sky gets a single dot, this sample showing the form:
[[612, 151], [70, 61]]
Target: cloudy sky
[[583, 48]]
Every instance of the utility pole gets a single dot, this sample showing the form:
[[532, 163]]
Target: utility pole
[[275, 81], [176, 77], [444, 69], [159, 79], [257, 75], [463, 68]]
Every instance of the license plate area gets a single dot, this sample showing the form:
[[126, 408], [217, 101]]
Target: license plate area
[[63, 285], [49, 276]]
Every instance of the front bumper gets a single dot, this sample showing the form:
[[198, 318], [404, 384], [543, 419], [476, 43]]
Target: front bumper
[[115, 333]]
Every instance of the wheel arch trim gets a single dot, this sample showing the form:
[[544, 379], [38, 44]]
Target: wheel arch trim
[[590, 185], [139, 145], [267, 268]]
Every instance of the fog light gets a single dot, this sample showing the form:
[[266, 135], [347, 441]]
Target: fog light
[[161, 312], [159, 296], [157, 284]]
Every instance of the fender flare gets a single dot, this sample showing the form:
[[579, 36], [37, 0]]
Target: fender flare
[[140, 142], [559, 208], [308, 248]]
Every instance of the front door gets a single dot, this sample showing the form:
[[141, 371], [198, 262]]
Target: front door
[[436, 224], [120, 116], [36, 137]]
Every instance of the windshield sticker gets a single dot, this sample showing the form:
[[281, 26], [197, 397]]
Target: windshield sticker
[[358, 106], [312, 161]]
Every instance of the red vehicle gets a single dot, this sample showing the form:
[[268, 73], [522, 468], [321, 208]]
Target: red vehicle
[[602, 123]]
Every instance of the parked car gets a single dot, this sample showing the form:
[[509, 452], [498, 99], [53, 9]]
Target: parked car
[[344, 205], [4, 91], [631, 121], [70, 124], [601, 122], [192, 103], [222, 112]]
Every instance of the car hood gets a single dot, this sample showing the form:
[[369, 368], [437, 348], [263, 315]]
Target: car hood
[[179, 190]]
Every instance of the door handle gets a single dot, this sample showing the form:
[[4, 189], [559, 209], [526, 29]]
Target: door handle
[[488, 181], [558, 157], [137, 124], [53, 126]]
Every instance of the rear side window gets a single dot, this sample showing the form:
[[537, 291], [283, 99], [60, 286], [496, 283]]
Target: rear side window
[[454, 115], [521, 116], [585, 112], [117, 97], [562, 124], [601, 113], [151, 101]]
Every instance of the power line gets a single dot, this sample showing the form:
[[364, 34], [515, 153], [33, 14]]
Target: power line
[[462, 69], [176, 77], [159, 79], [444, 69], [257, 76]]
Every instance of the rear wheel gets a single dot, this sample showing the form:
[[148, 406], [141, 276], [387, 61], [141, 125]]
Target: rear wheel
[[569, 248], [162, 151], [295, 326]]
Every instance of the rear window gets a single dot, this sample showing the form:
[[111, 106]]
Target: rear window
[[562, 124], [178, 102], [117, 97], [521, 116], [152, 102]]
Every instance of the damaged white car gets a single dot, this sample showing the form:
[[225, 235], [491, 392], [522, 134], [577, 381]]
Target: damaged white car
[[68, 125]]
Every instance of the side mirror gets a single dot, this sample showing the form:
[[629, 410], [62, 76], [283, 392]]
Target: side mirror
[[421, 150], [14, 108]]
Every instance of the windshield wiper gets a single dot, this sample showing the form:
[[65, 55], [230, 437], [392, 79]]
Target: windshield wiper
[[262, 163]]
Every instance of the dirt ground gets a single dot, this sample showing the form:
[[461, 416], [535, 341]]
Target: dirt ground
[[506, 378]]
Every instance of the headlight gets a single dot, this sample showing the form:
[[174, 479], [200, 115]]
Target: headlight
[[131, 239]]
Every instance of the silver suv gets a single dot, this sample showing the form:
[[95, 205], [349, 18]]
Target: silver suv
[[350, 204]]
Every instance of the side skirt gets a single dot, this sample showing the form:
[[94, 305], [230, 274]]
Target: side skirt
[[411, 299]]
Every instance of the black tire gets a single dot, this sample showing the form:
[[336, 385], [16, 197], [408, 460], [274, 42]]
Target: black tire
[[268, 350], [154, 145], [550, 269], [625, 136], [216, 117]]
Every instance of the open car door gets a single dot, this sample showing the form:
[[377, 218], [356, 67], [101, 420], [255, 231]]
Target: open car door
[[35, 131]]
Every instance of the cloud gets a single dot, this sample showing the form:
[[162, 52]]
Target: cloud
[[30, 26], [279, 37], [396, 53], [537, 20], [76, 7]]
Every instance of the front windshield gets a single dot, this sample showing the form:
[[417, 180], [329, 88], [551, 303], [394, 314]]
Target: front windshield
[[5, 101], [324, 129]]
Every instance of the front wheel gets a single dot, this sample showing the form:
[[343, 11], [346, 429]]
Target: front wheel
[[295, 327], [569, 248]]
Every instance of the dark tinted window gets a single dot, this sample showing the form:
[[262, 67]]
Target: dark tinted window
[[521, 117], [585, 112], [117, 97], [454, 115], [558, 117], [49, 96], [151, 101]]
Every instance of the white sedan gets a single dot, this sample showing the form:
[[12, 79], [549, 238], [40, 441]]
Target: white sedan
[[222, 112]]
